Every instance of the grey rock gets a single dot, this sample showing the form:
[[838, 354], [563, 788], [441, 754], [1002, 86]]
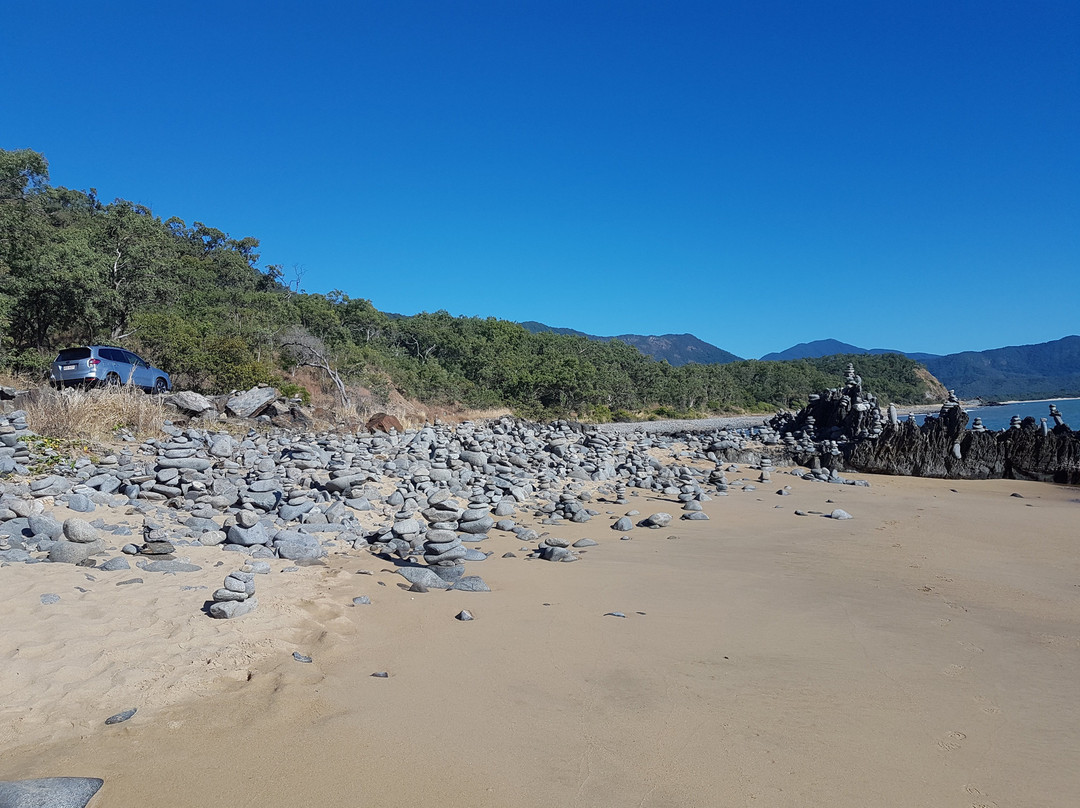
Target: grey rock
[[69, 552], [298, 546], [300, 657], [656, 520], [49, 792], [190, 403], [50, 598], [168, 566], [251, 403], [248, 536], [695, 516], [79, 530], [471, 583], [362, 600], [585, 543], [121, 717], [114, 564], [464, 615], [839, 513], [228, 610], [423, 576], [45, 525], [80, 503], [623, 524]]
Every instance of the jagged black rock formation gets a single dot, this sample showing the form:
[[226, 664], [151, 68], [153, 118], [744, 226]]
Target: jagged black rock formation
[[843, 429]]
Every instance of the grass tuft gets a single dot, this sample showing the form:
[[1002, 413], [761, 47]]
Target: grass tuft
[[95, 415]]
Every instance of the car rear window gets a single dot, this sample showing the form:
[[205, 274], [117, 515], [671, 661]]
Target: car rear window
[[73, 354]]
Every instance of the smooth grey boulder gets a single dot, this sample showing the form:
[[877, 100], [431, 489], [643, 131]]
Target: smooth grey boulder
[[248, 536], [230, 609], [69, 552], [43, 524], [79, 530], [298, 546], [114, 564], [656, 520], [49, 792], [482, 525], [695, 516], [471, 583], [251, 403], [839, 513], [623, 524], [424, 577], [80, 503]]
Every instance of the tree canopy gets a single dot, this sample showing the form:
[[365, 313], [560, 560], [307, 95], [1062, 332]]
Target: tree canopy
[[193, 299]]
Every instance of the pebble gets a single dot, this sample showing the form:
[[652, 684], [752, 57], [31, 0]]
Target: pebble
[[381, 675], [839, 513], [464, 615], [362, 600], [50, 598], [614, 614], [300, 657], [120, 718]]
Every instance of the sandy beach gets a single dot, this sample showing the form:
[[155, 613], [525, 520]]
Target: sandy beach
[[923, 653]]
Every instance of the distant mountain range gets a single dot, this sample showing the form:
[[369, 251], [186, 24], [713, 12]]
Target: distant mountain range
[[1045, 370], [677, 349], [829, 347]]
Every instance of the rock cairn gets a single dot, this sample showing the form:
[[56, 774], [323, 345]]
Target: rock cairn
[[236, 596]]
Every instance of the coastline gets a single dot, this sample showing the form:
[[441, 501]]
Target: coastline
[[920, 653]]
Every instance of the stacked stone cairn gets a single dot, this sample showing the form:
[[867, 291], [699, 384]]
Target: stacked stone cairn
[[236, 596], [443, 550]]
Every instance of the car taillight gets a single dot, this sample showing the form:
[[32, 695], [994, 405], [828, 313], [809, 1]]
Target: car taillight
[[94, 362]]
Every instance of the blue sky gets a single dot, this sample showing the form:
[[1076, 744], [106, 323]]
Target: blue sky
[[901, 174]]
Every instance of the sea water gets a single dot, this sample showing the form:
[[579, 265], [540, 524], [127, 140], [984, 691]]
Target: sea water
[[999, 416]]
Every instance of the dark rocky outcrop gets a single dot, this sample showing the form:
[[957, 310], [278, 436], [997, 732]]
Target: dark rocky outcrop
[[844, 430]]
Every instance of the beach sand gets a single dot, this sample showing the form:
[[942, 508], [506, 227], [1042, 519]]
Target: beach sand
[[924, 653]]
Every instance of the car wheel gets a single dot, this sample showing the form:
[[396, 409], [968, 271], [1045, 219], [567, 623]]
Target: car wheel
[[160, 386], [112, 380]]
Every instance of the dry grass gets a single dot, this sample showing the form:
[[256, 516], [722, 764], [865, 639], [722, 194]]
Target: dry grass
[[94, 415]]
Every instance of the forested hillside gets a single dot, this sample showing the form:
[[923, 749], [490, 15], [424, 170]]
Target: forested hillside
[[196, 301]]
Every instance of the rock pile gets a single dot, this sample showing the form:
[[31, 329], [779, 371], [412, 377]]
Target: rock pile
[[236, 596]]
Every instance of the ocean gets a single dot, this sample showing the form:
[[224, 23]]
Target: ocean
[[998, 417]]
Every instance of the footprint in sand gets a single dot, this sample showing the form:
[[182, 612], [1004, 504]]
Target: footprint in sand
[[951, 741], [970, 647], [953, 670], [943, 621], [987, 706]]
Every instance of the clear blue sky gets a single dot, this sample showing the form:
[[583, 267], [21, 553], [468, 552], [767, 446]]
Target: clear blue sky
[[891, 174]]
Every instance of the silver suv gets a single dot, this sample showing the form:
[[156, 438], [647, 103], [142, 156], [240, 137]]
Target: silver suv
[[105, 365]]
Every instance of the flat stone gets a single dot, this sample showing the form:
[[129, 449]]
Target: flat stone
[[839, 513], [423, 576], [228, 610], [251, 403], [121, 717], [168, 566], [49, 792]]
